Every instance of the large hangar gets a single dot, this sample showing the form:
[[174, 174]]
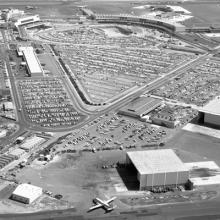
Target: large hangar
[[210, 113], [158, 168], [26, 193]]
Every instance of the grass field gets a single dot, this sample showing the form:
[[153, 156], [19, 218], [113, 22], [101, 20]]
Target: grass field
[[195, 147], [110, 7], [207, 13]]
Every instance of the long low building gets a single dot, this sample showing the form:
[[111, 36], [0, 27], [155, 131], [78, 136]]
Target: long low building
[[31, 143], [33, 64], [210, 113], [138, 20], [26, 193], [25, 19], [158, 168], [140, 107]]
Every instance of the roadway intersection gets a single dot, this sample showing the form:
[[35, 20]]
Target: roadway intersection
[[183, 211]]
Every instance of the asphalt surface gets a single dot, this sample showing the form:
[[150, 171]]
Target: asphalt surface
[[208, 210]]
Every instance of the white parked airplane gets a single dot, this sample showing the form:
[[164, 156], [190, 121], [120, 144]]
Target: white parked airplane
[[107, 205]]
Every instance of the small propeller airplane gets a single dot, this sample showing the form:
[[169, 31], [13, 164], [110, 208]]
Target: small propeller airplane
[[107, 205]]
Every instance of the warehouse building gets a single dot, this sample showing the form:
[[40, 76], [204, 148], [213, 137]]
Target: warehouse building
[[210, 113], [17, 153], [140, 107], [158, 168], [33, 65], [26, 193], [31, 143]]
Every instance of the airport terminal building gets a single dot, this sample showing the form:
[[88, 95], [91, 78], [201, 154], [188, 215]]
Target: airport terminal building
[[158, 168], [25, 19]]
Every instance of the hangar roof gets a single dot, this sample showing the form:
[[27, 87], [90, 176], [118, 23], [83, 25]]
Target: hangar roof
[[28, 191], [213, 107], [156, 161]]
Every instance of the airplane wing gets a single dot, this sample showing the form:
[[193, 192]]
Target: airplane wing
[[110, 200], [95, 207]]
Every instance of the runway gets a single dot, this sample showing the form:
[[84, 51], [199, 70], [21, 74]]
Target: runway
[[208, 210]]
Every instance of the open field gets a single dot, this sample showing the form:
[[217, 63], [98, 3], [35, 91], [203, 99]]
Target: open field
[[46, 9], [110, 7], [78, 177], [83, 175], [208, 13], [199, 147]]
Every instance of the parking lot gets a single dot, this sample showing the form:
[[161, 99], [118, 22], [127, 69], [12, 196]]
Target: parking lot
[[174, 115], [109, 59], [113, 132], [107, 66], [46, 103], [197, 85]]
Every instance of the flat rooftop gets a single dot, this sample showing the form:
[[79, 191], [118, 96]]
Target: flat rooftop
[[156, 161], [141, 105], [31, 59], [213, 107], [29, 143], [22, 16], [28, 191]]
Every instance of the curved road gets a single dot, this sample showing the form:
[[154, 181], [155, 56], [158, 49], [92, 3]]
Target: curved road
[[81, 107]]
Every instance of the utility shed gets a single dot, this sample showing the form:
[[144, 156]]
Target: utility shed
[[210, 113], [26, 193], [158, 168]]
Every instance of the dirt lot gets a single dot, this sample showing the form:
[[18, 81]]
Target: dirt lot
[[110, 8], [49, 8], [199, 147], [78, 177], [208, 13]]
